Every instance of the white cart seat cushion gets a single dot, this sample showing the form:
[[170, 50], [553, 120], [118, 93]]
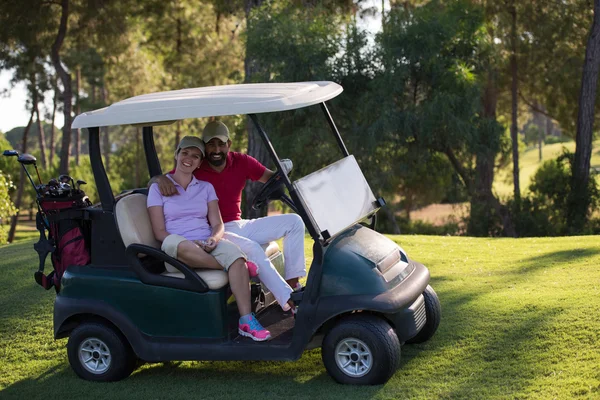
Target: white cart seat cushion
[[134, 225], [214, 278]]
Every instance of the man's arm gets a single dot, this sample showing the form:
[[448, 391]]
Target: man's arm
[[287, 167], [266, 176], [165, 185]]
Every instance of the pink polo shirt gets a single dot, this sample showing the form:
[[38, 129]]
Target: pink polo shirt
[[186, 214]]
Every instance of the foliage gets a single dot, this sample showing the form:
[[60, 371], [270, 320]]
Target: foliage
[[532, 133], [7, 208], [543, 211], [557, 139]]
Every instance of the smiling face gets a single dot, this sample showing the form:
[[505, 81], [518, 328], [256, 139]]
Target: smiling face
[[216, 151], [189, 158]]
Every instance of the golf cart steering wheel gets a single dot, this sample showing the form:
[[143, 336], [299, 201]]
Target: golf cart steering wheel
[[271, 190]]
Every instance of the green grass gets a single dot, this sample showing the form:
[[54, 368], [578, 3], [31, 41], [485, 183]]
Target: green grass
[[529, 163], [520, 321]]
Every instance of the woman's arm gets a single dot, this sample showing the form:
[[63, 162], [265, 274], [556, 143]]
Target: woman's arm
[[157, 220], [216, 222]]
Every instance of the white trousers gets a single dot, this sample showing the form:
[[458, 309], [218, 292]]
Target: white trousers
[[249, 234]]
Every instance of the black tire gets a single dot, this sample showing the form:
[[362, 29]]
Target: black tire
[[433, 313], [110, 356], [381, 343]]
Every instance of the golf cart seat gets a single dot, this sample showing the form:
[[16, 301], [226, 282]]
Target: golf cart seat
[[134, 226]]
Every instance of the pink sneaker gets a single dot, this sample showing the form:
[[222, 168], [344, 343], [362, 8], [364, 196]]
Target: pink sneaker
[[252, 269], [250, 327]]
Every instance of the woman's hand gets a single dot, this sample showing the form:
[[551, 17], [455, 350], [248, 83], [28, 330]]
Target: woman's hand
[[210, 244]]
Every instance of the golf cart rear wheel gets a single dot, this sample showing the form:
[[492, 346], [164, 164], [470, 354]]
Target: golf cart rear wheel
[[361, 350], [433, 313], [99, 353]]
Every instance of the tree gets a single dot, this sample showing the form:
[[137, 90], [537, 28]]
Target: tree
[[579, 199], [298, 49], [65, 79]]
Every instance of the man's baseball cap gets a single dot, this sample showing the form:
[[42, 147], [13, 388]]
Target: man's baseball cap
[[190, 141], [215, 129]]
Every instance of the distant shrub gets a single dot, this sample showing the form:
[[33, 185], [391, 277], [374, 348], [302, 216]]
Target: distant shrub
[[425, 228], [557, 139], [7, 208], [543, 212]]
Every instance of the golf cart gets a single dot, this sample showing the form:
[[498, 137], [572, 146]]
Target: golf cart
[[363, 297]]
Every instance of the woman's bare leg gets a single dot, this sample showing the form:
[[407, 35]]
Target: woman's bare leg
[[191, 254], [240, 285]]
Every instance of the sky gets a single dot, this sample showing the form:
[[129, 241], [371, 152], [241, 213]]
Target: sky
[[13, 99]]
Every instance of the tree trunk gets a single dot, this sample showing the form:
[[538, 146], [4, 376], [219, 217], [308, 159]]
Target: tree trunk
[[389, 213], [15, 218], [77, 146], [579, 200], [41, 135], [256, 148], [53, 128], [177, 133], [65, 78], [483, 201], [138, 156], [104, 131], [514, 133]]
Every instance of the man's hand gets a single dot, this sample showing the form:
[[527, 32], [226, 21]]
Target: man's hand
[[166, 186]]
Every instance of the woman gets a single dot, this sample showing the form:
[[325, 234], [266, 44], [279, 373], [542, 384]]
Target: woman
[[191, 229]]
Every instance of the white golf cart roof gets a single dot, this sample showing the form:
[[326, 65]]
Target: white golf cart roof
[[164, 107]]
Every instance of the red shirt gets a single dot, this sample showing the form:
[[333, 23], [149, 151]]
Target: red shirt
[[230, 182]]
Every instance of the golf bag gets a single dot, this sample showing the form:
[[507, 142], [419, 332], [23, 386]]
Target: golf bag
[[68, 235]]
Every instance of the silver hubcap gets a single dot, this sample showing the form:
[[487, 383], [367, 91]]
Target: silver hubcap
[[353, 357], [94, 355]]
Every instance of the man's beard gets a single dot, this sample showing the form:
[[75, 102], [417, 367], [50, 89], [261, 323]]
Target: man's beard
[[216, 163]]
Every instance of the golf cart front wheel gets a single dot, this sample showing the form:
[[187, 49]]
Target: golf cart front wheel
[[98, 353], [361, 350]]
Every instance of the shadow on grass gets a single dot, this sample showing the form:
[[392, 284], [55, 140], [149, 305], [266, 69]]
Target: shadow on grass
[[486, 352], [202, 380], [557, 258]]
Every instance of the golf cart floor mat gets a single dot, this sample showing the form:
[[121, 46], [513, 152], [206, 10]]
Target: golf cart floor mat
[[274, 319]]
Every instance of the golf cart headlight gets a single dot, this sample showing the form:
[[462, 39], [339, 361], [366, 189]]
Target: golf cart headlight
[[395, 266]]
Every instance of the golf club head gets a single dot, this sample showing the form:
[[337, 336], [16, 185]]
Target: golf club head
[[10, 153], [53, 182], [27, 159], [64, 178], [80, 182]]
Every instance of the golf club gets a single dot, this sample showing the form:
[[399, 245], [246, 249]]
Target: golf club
[[28, 159], [25, 159], [64, 178]]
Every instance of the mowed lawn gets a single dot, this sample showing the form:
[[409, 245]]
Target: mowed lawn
[[521, 320]]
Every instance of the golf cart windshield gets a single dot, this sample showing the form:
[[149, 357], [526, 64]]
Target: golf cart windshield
[[336, 196]]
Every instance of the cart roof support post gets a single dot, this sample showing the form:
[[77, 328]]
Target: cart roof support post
[[334, 128], [104, 190], [150, 150]]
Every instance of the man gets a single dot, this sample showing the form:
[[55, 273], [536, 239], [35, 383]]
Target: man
[[228, 171]]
